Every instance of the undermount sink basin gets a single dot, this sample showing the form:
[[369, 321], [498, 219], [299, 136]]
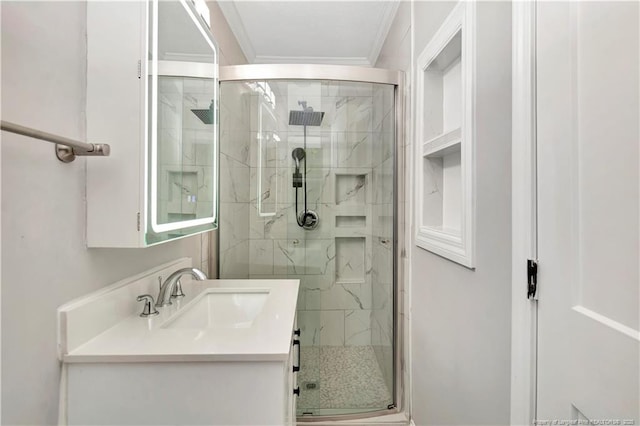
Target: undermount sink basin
[[221, 308]]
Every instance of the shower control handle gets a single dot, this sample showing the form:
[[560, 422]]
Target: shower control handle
[[296, 342]]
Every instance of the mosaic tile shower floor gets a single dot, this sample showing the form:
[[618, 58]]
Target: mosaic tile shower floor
[[347, 377]]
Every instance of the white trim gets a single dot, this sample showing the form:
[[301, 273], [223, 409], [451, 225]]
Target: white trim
[[386, 20], [460, 246], [523, 311], [608, 322], [329, 60], [309, 72], [237, 27], [1, 234], [410, 220], [187, 69]]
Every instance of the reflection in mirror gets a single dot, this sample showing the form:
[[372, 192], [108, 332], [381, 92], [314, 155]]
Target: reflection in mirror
[[183, 126]]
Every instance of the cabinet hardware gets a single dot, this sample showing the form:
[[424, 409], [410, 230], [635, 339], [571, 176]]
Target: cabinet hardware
[[296, 342]]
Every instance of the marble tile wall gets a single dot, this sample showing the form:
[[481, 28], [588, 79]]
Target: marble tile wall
[[235, 173], [344, 296]]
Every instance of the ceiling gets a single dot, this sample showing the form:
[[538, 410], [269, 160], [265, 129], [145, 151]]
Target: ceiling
[[321, 32]]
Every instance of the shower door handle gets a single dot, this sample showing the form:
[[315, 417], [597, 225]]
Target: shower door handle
[[296, 342]]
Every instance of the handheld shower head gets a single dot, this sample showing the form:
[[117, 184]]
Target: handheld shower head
[[298, 155]]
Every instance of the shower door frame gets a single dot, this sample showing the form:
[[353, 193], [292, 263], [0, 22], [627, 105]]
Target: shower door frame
[[262, 72]]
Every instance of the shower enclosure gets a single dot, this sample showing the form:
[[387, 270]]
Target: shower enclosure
[[308, 191]]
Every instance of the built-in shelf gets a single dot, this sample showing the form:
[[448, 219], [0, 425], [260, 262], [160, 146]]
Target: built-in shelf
[[444, 144], [445, 166]]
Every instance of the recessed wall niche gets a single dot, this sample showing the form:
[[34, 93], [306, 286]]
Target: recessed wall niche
[[445, 159]]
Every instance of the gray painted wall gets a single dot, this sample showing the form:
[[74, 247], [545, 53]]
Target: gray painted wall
[[460, 332]]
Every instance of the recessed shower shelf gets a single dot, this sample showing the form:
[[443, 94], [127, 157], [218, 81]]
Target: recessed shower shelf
[[351, 221]]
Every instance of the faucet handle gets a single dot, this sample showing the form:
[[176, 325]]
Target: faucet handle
[[177, 290], [149, 308]]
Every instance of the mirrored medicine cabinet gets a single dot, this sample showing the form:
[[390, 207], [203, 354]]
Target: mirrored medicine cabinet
[[152, 92]]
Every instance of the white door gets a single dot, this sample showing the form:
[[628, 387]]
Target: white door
[[588, 215]]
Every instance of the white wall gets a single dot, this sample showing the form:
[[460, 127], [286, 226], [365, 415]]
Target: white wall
[[460, 319], [43, 212], [230, 51]]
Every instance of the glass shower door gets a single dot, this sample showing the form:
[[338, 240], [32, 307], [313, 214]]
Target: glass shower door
[[307, 177]]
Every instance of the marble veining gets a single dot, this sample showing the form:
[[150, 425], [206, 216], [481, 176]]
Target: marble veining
[[289, 257], [350, 188], [236, 177], [234, 261], [320, 256], [346, 296], [350, 259], [355, 150], [234, 221], [357, 327], [261, 255]]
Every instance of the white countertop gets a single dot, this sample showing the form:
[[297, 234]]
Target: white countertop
[[136, 339]]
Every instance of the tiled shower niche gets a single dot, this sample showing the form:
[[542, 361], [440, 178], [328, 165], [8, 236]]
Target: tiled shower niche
[[345, 265]]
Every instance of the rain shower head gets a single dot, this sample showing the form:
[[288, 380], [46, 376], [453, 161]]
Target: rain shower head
[[306, 117]]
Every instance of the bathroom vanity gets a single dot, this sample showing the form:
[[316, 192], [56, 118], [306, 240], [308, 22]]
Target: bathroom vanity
[[225, 354]]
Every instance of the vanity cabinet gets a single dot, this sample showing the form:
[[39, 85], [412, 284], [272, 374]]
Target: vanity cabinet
[[228, 362], [152, 94], [159, 393]]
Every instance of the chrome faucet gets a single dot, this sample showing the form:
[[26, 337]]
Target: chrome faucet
[[167, 289]]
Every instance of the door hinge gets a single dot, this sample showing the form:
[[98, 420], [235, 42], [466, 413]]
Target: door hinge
[[139, 69], [532, 278], [138, 221]]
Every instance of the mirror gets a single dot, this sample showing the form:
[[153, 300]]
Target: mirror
[[182, 121]]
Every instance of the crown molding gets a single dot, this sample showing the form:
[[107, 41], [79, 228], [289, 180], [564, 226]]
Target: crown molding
[[386, 20], [327, 60], [235, 22]]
